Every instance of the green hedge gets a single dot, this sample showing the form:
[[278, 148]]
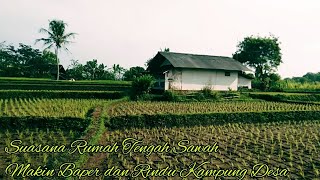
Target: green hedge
[[67, 123], [287, 97], [175, 120], [8, 80], [83, 87], [302, 90], [62, 94]]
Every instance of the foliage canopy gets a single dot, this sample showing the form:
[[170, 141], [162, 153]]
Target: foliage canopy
[[261, 53]]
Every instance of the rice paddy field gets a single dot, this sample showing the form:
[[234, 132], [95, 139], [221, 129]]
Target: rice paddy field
[[59, 116], [33, 136], [136, 108], [29, 117], [291, 147], [44, 112], [20, 107]]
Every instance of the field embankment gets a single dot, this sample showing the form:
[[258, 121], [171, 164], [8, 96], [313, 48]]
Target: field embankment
[[44, 88], [287, 97]]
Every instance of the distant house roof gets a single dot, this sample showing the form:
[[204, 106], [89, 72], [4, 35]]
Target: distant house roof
[[194, 61]]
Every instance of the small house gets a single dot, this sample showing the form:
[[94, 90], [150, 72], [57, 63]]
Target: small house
[[180, 71]]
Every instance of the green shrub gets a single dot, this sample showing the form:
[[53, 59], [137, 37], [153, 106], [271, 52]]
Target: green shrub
[[145, 97], [207, 93], [171, 96], [257, 84], [244, 89], [200, 96], [141, 85], [275, 89]]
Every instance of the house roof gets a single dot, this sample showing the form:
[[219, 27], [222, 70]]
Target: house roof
[[181, 60]]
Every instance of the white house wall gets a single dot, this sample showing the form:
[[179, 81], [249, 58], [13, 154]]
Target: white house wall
[[244, 82], [195, 79], [173, 79]]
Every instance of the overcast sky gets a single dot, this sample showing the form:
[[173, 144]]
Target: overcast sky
[[131, 32]]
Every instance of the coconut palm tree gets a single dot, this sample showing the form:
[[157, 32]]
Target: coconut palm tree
[[57, 38]]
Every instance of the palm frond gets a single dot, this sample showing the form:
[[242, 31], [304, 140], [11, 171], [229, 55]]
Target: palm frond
[[67, 50], [49, 47], [66, 42], [69, 35], [45, 41], [43, 30]]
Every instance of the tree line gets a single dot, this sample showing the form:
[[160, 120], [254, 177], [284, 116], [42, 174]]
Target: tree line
[[92, 70], [25, 61], [307, 78]]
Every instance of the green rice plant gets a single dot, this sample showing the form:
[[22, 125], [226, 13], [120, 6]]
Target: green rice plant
[[138, 160], [136, 108], [315, 170], [45, 158], [310, 159], [301, 171], [301, 160], [14, 158], [49, 107], [8, 134], [291, 164], [250, 149], [7, 141]]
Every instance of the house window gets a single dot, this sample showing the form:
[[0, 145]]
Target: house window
[[227, 73]]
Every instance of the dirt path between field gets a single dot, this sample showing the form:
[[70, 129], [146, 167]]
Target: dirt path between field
[[97, 160], [95, 114]]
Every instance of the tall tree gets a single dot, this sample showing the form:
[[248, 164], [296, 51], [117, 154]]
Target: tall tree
[[9, 64], [30, 61], [117, 70], [261, 53], [57, 38], [76, 70], [25, 61], [133, 73], [93, 70]]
